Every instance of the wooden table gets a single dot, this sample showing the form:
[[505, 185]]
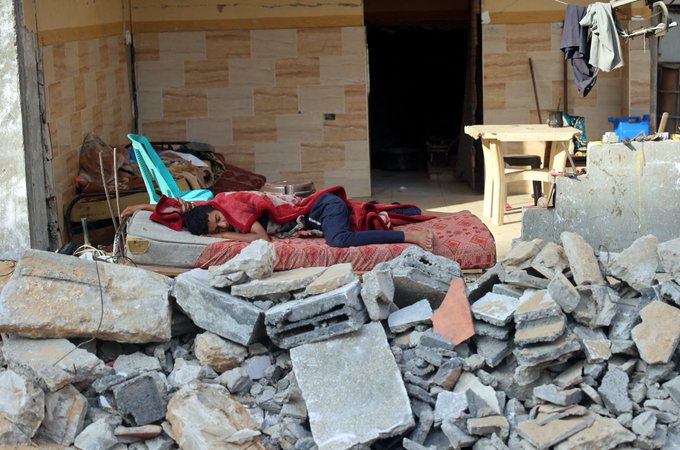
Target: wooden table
[[558, 143]]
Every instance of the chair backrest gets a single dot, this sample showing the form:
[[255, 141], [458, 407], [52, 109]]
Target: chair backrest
[[152, 168]]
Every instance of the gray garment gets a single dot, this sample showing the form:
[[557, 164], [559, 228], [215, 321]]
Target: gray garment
[[605, 48]]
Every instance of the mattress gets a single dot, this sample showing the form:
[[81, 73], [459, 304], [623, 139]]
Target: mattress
[[461, 237]]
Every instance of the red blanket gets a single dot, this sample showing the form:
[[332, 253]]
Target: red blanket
[[242, 209]]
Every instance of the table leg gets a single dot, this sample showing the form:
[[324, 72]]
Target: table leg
[[499, 187], [488, 178]]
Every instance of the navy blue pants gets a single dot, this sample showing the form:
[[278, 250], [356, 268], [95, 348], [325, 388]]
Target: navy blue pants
[[333, 216]]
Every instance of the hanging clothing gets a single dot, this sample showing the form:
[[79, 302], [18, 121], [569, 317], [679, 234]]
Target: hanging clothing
[[574, 44], [605, 48]]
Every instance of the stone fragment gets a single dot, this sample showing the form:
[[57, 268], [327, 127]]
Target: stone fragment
[[555, 395], [206, 416], [644, 424], [564, 293], [673, 388], [447, 375], [597, 307], [538, 305], [484, 426], [603, 434], [550, 261], [594, 343], [469, 382], [522, 279], [97, 436], [254, 262], [493, 350], [186, 370], [570, 377], [65, 412], [450, 406], [486, 329], [256, 367], [495, 309], [132, 434], [554, 432], [22, 406], [432, 339], [669, 257], [140, 399], [637, 264], [485, 283], [52, 363], [236, 380], [410, 316], [279, 282], [135, 363], [614, 391], [522, 253], [217, 311], [547, 412], [316, 318], [408, 444], [545, 352], [670, 291], [658, 335], [457, 438], [582, 260], [453, 318], [541, 330], [220, 354], [507, 289], [347, 404], [626, 317], [332, 278], [67, 294], [377, 293]]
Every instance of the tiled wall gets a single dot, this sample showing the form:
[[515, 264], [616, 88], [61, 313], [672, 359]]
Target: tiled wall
[[264, 98], [86, 89]]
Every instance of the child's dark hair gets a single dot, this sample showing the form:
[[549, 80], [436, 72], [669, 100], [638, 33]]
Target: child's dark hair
[[196, 219]]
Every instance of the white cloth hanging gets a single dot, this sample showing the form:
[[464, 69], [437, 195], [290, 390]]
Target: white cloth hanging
[[605, 48]]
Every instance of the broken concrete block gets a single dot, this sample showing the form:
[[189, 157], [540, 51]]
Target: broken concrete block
[[347, 404], [564, 293], [571, 376], [453, 318], [22, 405], [538, 305], [669, 257], [65, 412], [334, 277], [644, 425], [626, 317], [673, 388], [658, 335], [133, 434], [548, 412], [670, 291], [550, 261], [522, 279], [495, 309], [140, 399], [469, 382], [614, 391], [236, 380], [206, 416], [185, 371], [135, 363], [41, 360], [410, 316], [450, 406], [278, 283], [493, 350], [377, 293], [254, 262], [594, 343], [486, 329], [541, 330], [604, 433], [316, 318], [552, 433], [66, 300], [256, 367], [507, 289], [217, 311], [447, 375], [582, 260], [457, 438], [637, 264], [482, 285], [522, 253], [97, 435], [545, 352], [484, 426], [597, 306], [555, 395], [220, 354]]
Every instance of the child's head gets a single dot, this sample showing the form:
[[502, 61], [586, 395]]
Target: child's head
[[205, 219]]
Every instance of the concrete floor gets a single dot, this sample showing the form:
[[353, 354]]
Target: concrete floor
[[447, 196]]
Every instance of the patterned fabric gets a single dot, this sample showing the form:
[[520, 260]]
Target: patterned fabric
[[461, 237], [235, 178]]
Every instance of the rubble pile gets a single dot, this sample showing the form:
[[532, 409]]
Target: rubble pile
[[557, 346]]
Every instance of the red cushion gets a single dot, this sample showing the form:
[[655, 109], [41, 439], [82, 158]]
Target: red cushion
[[461, 237]]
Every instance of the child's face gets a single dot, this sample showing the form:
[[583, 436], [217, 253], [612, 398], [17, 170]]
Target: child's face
[[216, 222]]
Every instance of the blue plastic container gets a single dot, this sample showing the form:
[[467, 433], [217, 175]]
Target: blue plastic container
[[630, 126]]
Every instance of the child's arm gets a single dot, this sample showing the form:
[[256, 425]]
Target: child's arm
[[130, 210], [257, 231]]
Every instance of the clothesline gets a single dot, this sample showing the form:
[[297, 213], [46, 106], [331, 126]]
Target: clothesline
[[614, 4]]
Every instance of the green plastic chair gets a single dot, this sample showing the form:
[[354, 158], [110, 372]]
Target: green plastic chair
[[152, 168]]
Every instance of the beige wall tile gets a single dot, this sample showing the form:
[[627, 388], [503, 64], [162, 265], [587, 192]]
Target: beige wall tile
[[494, 95], [547, 65], [71, 59], [297, 72], [164, 130], [116, 52], [556, 37], [121, 80], [239, 155], [505, 116], [184, 103], [87, 55], [345, 69], [150, 104], [103, 53], [280, 100], [354, 41], [59, 62], [357, 183], [228, 44], [315, 176], [48, 65], [357, 155], [271, 159], [523, 38], [230, 102], [147, 47], [55, 104], [639, 96], [319, 41], [213, 131], [159, 74], [520, 94], [321, 99], [609, 92], [639, 63], [80, 97], [356, 99], [102, 88], [184, 46], [494, 39], [499, 67], [206, 74], [250, 130], [346, 127], [273, 43], [299, 127], [322, 156], [252, 72], [77, 133]]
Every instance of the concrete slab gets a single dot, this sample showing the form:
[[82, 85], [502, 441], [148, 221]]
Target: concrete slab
[[334, 277], [377, 293], [495, 309], [279, 282], [658, 335], [348, 404]]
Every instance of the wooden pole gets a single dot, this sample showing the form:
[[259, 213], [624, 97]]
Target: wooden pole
[[533, 82]]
